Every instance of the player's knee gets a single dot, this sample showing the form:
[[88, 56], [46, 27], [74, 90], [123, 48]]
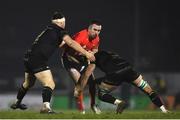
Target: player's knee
[[53, 86], [50, 84], [143, 85], [73, 71]]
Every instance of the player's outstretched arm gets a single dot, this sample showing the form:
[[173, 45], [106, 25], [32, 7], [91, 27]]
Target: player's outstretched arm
[[73, 44]]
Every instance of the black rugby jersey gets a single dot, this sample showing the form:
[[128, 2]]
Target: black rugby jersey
[[46, 43], [110, 62]]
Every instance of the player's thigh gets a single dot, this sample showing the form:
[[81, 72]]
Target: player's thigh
[[90, 68], [139, 82], [46, 78], [88, 73], [29, 80], [74, 74]]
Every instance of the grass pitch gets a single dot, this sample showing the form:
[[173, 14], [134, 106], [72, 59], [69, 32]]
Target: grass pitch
[[72, 114]]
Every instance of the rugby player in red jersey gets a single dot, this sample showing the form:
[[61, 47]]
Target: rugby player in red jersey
[[76, 64]]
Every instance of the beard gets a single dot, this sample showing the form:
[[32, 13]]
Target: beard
[[92, 37]]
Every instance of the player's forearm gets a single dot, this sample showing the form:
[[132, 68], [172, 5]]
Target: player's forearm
[[78, 47], [71, 43]]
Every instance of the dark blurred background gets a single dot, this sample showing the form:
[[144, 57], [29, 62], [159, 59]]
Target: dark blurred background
[[145, 32]]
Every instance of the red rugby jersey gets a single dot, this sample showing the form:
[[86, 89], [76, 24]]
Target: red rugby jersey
[[83, 39]]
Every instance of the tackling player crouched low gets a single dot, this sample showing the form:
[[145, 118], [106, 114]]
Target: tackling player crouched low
[[117, 71]]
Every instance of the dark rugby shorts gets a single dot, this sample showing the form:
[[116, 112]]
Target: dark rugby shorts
[[35, 66], [126, 74], [69, 63]]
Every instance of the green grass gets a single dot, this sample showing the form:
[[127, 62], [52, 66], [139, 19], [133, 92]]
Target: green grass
[[70, 114]]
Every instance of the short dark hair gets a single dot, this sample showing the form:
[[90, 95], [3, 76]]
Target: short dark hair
[[57, 15], [95, 21]]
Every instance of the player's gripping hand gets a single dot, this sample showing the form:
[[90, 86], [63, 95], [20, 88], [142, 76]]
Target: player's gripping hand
[[90, 56]]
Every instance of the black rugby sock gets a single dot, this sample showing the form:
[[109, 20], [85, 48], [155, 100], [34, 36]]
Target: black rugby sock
[[21, 93], [46, 94], [155, 99], [107, 98]]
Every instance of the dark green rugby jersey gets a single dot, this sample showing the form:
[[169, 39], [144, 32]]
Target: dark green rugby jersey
[[110, 62], [46, 43]]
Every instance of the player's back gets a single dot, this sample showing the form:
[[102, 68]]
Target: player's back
[[47, 42], [110, 62]]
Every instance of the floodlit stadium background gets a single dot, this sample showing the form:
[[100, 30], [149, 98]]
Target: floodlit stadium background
[[146, 33]]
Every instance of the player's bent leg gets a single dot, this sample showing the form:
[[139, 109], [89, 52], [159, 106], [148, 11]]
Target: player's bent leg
[[28, 83], [30, 80], [155, 98], [85, 76], [142, 85], [82, 81], [75, 75], [103, 94], [45, 77]]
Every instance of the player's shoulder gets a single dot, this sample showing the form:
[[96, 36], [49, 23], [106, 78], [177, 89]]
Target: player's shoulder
[[83, 32], [56, 29]]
